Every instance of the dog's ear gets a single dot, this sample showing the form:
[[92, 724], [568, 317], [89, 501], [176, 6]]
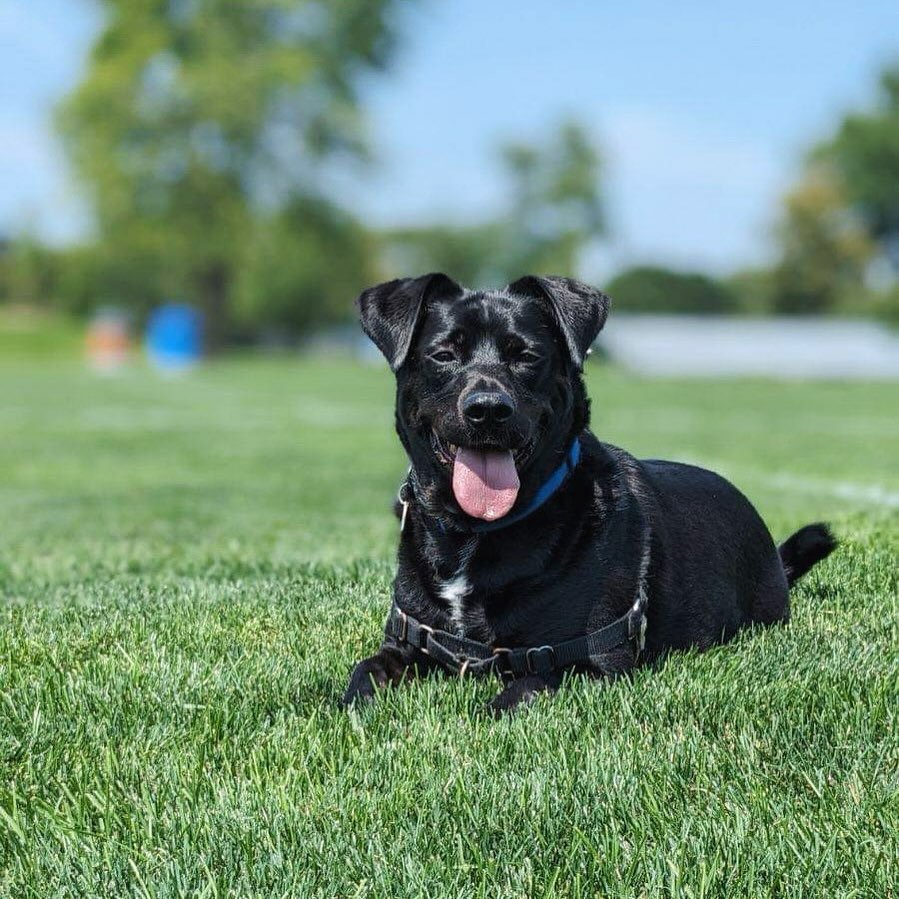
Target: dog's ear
[[580, 311], [390, 311]]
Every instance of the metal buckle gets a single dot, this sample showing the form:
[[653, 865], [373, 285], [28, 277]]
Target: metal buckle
[[498, 653], [429, 632], [636, 626], [404, 630], [530, 664]]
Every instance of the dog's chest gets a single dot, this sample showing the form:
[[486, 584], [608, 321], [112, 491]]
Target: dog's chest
[[453, 593], [454, 590]]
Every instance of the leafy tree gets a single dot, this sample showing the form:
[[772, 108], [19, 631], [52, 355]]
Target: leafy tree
[[824, 248], [197, 119], [556, 203], [864, 158], [301, 266], [753, 289], [841, 222], [553, 210], [649, 288], [472, 254], [27, 272]]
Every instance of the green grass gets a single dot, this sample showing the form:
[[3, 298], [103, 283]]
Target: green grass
[[189, 568], [28, 333]]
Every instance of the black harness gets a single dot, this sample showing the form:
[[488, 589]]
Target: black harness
[[464, 656]]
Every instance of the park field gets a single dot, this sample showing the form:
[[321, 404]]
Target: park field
[[189, 568]]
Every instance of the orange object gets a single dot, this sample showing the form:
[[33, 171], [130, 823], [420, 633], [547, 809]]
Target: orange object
[[108, 342]]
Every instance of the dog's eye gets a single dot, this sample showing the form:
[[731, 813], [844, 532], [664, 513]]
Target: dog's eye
[[443, 357], [516, 352]]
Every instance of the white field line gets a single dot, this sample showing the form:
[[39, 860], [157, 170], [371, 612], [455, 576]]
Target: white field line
[[868, 494], [689, 421], [851, 491]]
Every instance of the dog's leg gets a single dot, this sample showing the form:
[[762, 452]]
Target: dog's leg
[[390, 665], [523, 690]]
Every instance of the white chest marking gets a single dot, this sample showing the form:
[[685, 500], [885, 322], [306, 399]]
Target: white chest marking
[[454, 591]]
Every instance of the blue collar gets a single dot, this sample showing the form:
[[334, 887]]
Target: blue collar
[[546, 491], [548, 488]]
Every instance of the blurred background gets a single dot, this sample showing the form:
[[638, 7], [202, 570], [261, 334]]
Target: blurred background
[[256, 164], [193, 193], [198, 462]]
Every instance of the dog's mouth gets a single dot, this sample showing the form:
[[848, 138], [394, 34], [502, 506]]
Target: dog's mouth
[[446, 451], [485, 478]]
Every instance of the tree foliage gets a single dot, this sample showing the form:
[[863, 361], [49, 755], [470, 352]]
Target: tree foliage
[[824, 248], [650, 288], [552, 210], [864, 156], [301, 267], [198, 121], [27, 272], [841, 221]]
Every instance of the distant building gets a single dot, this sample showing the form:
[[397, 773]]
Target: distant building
[[705, 346]]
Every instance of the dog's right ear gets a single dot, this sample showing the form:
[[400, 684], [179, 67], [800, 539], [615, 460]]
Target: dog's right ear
[[391, 311]]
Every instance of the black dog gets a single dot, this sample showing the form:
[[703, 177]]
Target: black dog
[[528, 547]]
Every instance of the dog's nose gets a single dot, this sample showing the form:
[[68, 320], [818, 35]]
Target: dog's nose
[[483, 407]]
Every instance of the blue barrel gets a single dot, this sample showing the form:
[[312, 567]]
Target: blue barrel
[[175, 336]]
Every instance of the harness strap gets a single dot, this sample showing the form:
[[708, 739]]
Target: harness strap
[[464, 656]]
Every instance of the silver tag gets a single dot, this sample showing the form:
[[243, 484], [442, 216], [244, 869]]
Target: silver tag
[[405, 505], [401, 499]]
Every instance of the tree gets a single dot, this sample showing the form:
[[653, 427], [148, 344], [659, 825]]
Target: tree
[[553, 210], [824, 248], [753, 289], [649, 288], [863, 156], [301, 266], [198, 119], [556, 203], [472, 254], [840, 224], [27, 272]]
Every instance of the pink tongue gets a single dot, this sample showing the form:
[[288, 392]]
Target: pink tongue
[[485, 483]]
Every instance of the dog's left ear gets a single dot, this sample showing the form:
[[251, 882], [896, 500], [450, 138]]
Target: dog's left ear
[[579, 309], [390, 311]]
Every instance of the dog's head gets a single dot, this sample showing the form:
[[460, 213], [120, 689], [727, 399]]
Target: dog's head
[[489, 389]]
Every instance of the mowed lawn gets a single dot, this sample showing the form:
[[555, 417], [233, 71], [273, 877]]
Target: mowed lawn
[[190, 567]]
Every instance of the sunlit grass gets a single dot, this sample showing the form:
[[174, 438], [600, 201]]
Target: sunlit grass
[[190, 567]]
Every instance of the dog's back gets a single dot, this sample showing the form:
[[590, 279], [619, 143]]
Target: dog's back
[[716, 565]]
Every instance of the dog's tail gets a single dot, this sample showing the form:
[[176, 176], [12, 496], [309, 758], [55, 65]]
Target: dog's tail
[[807, 547]]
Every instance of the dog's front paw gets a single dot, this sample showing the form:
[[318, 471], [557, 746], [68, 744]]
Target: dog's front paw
[[520, 692], [380, 670], [367, 677]]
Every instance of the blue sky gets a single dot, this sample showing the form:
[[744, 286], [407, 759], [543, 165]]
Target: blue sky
[[702, 110]]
